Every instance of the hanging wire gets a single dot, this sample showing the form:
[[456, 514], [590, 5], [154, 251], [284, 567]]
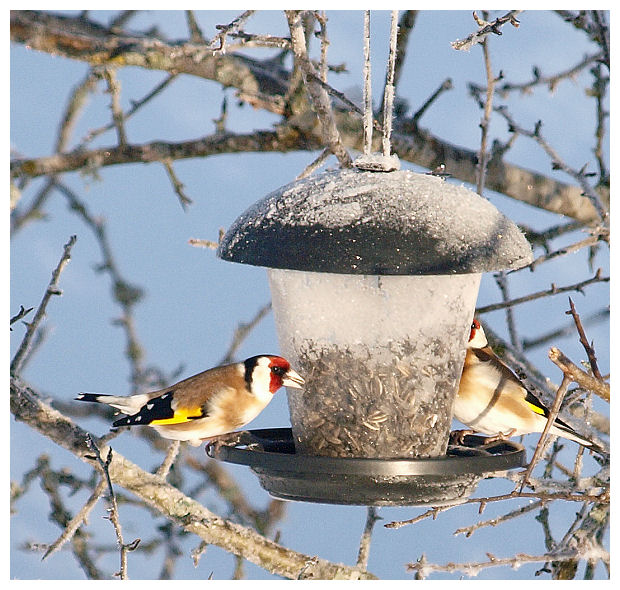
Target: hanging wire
[[388, 97], [367, 87], [384, 162]]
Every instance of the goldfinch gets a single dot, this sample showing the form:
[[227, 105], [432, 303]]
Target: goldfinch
[[209, 404], [493, 400]]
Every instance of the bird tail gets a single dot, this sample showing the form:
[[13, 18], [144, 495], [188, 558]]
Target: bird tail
[[560, 428], [126, 404]]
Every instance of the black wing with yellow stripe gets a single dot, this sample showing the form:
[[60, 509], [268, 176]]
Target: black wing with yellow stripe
[[159, 411]]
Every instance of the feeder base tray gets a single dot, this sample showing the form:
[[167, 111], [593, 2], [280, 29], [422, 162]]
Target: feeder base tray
[[435, 481]]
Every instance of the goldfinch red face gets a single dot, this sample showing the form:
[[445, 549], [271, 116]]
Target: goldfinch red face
[[268, 373], [477, 338]]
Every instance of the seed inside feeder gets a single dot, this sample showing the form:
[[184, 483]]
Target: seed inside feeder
[[378, 383]]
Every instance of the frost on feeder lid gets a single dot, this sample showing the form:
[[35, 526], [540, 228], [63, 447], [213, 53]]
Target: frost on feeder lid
[[360, 222]]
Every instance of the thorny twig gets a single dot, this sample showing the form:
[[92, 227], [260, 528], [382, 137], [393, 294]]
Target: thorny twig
[[570, 249], [551, 81], [52, 289]]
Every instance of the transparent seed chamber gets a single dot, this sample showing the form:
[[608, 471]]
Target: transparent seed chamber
[[381, 355]]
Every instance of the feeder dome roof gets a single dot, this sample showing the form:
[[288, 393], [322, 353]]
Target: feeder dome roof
[[358, 222]]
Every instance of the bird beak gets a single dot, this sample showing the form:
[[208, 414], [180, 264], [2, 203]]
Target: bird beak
[[293, 379]]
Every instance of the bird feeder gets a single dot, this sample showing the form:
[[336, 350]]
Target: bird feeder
[[374, 278]]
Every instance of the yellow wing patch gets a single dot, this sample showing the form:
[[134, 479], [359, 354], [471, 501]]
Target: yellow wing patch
[[181, 415], [535, 408]]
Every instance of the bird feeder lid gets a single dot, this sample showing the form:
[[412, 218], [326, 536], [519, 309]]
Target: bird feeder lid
[[358, 222]]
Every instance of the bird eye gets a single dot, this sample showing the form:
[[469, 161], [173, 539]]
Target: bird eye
[[278, 371], [473, 325]]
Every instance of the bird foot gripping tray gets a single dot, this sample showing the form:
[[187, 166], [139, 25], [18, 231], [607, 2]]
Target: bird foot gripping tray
[[374, 279], [431, 481]]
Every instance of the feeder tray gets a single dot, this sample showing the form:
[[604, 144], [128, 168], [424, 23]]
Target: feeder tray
[[434, 481]]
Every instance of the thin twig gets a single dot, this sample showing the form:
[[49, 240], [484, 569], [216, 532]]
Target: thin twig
[[200, 243], [364, 551], [322, 34], [405, 26], [318, 96], [566, 330], [77, 520], [570, 249], [171, 455], [125, 294], [315, 164], [52, 289], [514, 495], [486, 28], [195, 33], [225, 30], [589, 348], [579, 376], [113, 511], [581, 176], [550, 81], [178, 186], [469, 530], [114, 89], [347, 102], [22, 313], [502, 283], [472, 569], [553, 414], [136, 105], [443, 87], [242, 331], [553, 290], [483, 154]]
